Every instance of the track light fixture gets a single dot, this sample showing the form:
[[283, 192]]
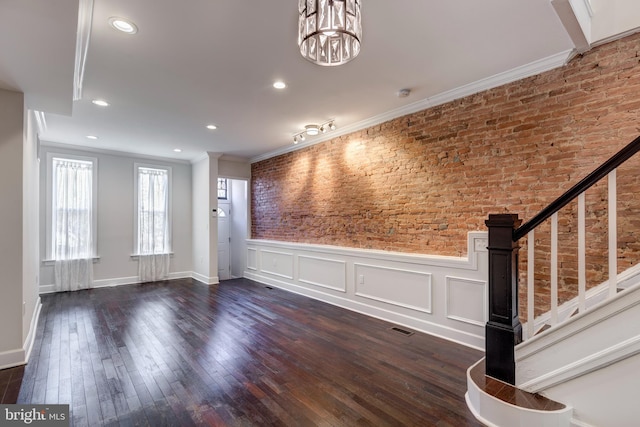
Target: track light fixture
[[313, 130]]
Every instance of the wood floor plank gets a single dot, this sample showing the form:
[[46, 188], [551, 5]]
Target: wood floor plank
[[179, 353]]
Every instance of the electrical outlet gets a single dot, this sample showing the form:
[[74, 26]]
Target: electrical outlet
[[361, 279], [480, 245]]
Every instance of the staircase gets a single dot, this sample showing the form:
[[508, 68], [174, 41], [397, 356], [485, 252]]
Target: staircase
[[591, 362], [593, 297], [579, 363]]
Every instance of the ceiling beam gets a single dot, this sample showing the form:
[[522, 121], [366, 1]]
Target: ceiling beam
[[575, 16]]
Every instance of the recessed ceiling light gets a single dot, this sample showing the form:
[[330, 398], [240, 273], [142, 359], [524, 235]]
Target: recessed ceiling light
[[92, 137], [123, 24], [177, 150], [212, 127], [279, 84], [100, 102]]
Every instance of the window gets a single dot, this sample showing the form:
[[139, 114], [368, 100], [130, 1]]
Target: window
[[71, 207], [152, 210], [222, 188]]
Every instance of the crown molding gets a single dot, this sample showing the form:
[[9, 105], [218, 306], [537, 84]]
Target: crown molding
[[73, 147], [587, 5], [198, 159], [616, 37], [545, 64]]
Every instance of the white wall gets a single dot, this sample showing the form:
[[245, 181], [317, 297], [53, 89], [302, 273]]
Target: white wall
[[31, 232], [205, 223], [213, 219], [234, 168], [11, 231], [116, 215], [200, 179], [443, 296], [613, 17]]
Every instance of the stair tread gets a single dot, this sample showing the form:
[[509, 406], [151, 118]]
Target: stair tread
[[510, 394]]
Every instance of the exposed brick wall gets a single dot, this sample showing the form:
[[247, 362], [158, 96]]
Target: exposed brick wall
[[419, 183]]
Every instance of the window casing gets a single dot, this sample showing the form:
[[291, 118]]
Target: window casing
[[223, 192], [71, 208], [152, 209]]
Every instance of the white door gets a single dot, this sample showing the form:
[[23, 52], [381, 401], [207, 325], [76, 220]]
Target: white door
[[223, 240]]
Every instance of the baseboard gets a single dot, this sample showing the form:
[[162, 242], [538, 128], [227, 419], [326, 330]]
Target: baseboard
[[12, 358], [20, 356], [204, 279], [31, 337], [441, 331], [578, 423], [46, 289], [134, 280], [118, 281]]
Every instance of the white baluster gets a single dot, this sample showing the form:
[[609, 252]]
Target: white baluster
[[582, 270], [554, 268], [613, 235], [530, 285]]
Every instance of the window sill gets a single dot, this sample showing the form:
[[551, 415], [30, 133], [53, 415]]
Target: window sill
[[53, 261], [137, 256]]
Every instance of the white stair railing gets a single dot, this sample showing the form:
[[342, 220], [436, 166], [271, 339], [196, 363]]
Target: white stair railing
[[554, 317], [503, 329]]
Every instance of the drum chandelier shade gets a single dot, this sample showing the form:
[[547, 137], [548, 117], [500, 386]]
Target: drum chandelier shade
[[329, 31]]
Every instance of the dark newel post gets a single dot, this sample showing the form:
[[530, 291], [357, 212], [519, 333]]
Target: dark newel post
[[503, 331]]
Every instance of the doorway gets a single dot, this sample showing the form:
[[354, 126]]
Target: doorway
[[224, 240], [232, 227]]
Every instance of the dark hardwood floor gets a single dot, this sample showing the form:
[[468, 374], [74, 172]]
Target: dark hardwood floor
[[237, 354], [10, 381]]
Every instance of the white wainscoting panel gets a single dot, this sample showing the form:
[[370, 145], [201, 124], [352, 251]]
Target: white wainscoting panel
[[462, 300], [440, 295], [277, 263], [252, 259], [323, 272], [409, 289]]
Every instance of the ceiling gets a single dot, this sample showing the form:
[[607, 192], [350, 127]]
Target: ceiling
[[214, 62]]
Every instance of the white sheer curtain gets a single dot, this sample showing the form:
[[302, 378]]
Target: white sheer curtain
[[72, 210], [153, 224]]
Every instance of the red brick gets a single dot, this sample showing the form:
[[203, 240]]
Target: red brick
[[419, 183]]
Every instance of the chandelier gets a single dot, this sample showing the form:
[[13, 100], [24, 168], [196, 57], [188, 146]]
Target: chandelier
[[329, 31]]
